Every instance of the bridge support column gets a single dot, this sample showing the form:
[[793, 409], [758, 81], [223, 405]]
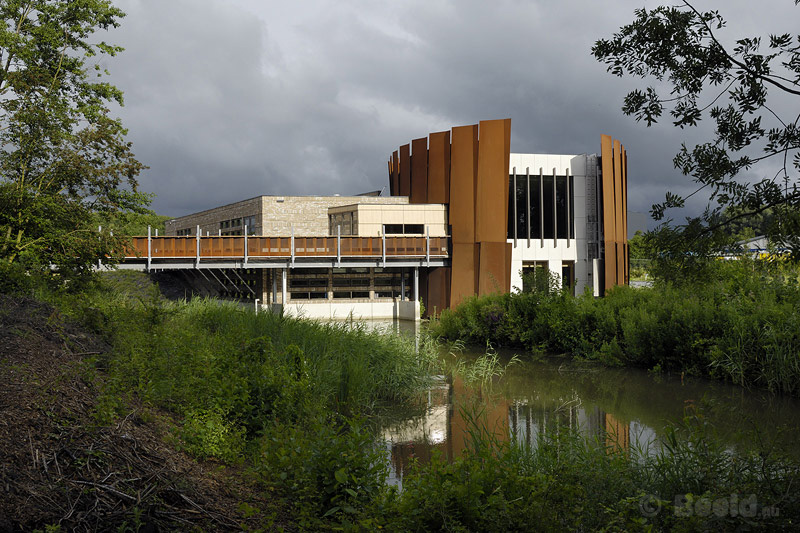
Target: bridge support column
[[283, 285], [264, 286], [371, 283], [416, 284]]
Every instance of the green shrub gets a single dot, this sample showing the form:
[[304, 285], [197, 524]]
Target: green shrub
[[209, 433], [14, 279], [324, 468]]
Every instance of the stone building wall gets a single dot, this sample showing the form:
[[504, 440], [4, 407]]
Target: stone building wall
[[209, 220], [309, 214], [275, 215]]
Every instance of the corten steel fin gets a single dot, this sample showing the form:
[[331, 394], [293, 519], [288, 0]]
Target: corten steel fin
[[447, 170], [467, 169], [609, 215], [625, 212], [492, 267], [491, 218], [618, 205], [463, 179], [438, 284], [405, 170], [396, 172], [391, 178], [419, 171], [463, 277], [507, 162], [438, 167]]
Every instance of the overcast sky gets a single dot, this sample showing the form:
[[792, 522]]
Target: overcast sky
[[230, 99]]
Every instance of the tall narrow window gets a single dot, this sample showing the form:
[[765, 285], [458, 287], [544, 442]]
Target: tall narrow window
[[561, 207], [548, 207], [535, 211], [522, 207], [572, 207]]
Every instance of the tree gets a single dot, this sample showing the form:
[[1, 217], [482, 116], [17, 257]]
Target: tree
[[679, 47], [63, 159]]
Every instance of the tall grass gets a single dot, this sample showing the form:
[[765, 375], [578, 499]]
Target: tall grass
[[742, 326], [224, 367]]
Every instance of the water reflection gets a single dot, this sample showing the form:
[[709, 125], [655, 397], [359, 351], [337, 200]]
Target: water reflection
[[408, 328], [621, 407]]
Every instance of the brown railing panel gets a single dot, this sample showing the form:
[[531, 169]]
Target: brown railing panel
[[138, 247], [221, 246], [233, 246]]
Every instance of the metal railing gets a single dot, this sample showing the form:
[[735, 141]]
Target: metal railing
[[248, 247]]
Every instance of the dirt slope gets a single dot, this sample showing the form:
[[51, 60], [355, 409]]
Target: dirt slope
[[57, 467]]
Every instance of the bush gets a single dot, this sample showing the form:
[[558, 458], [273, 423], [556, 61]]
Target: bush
[[324, 468], [14, 279]]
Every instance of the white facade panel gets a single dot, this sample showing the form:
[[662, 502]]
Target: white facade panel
[[556, 253]]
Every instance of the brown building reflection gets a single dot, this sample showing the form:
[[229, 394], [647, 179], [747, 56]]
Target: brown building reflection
[[455, 411]]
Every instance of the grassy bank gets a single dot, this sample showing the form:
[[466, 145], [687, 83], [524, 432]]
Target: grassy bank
[[288, 404], [741, 325], [286, 398]]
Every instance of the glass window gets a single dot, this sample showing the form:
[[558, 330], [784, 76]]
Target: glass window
[[518, 197], [548, 207], [536, 212], [393, 229], [572, 207], [561, 207]]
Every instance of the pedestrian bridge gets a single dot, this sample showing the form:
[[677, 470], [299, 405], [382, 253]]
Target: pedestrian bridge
[[197, 252]]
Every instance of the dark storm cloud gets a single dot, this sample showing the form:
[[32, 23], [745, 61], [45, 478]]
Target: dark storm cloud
[[230, 99]]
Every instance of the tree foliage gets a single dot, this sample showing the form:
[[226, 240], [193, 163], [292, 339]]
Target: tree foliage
[[749, 90], [64, 159]]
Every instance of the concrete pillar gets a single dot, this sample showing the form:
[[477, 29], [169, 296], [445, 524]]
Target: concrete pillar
[[330, 284], [274, 286], [416, 284], [283, 285], [263, 286], [402, 284], [371, 283]]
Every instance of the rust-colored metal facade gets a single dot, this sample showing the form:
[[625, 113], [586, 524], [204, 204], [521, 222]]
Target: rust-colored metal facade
[[466, 168], [615, 212]]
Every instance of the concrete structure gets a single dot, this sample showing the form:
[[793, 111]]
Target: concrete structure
[[373, 220], [271, 216], [491, 215], [312, 265]]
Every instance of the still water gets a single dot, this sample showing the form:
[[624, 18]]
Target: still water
[[629, 406], [623, 406]]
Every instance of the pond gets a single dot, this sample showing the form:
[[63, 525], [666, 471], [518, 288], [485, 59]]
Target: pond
[[630, 407]]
